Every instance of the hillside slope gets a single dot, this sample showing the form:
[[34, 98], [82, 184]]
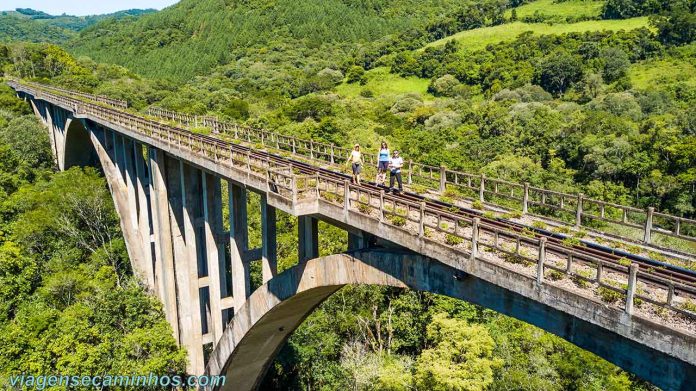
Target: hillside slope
[[29, 25], [192, 37]]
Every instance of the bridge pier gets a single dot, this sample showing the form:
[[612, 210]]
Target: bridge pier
[[269, 255], [239, 243], [215, 254], [165, 281], [308, 238]]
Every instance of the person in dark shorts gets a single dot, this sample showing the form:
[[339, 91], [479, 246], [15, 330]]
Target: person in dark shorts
[[383, 159], [356, 162], [395, 165]]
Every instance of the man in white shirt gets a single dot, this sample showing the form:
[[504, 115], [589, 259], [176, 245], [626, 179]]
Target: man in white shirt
[[395, 165]]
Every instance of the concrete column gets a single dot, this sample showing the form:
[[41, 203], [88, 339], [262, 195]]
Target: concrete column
[[360, 240], [130, 179], [164, 252], [118, 155], [308, 237], [647, 233], [192, 202], [212, 215], [269, 247], [179, 177], [239, 242], [144, 211], [632, 284]]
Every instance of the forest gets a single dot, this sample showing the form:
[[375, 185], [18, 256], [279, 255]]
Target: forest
[[572, 95]]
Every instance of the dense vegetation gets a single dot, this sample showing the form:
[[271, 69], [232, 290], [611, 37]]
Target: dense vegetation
[[69, 303], [606, 107], [26, 24]]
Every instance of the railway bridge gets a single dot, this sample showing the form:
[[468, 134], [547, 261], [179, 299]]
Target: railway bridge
[[168, 185]]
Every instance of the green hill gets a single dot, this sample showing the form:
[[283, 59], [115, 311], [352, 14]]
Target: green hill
[[480, 38], [192, 37], [25, 24]]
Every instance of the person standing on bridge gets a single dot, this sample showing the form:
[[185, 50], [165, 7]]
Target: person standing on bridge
[[382, 163], [356, 161], [395, 165]]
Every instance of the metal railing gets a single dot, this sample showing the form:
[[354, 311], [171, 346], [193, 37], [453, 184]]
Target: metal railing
[[567, 208], [120, 104]]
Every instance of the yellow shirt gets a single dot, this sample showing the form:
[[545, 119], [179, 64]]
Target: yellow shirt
[[355, 157]]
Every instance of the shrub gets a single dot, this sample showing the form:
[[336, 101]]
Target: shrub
[[512, 215], [331, 197], [608, 295], [624, 262], [572, 242], [580, 278], [363, 206], [477, 205], [447, 200], [367, 93], [451, 193], [688, 305], [398, 221], [354, 74], [539, 224], [489, 215], [453, 240], [555, 275], [420, 189]]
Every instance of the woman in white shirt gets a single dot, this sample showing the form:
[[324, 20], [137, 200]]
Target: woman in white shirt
[[356, 161]]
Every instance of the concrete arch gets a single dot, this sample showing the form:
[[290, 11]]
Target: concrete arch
[[78, 149], [275, 310]]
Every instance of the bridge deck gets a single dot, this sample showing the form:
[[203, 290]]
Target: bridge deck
[[511, 256]]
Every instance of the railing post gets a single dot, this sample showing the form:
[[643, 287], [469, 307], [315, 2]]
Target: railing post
[[294, 151], [443, 178], [346, 195], [525, 199], [482, 188], [647, 236], [542, 259], [578, 212], [421, 220], [311, 148], [631, 291], [332, 153], [410, 171], [474, 238], [381, 206], [293, 188]]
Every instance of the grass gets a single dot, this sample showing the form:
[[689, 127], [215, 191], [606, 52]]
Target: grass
[[477, 39], [572, 8], [653, 72], [381, 83]]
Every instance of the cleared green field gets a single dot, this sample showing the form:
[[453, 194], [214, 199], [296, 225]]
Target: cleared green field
[[479, 38], [653, 72], [381, 82], [577, 8]]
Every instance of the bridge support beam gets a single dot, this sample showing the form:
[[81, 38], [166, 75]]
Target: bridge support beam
[[239, 243], [269, 251], [165, 281], [215, 251], [308, 238], [181, 185], [144, 211]]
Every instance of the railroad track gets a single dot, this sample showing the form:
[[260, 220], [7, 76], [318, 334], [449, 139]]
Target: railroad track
[[586, 251]]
